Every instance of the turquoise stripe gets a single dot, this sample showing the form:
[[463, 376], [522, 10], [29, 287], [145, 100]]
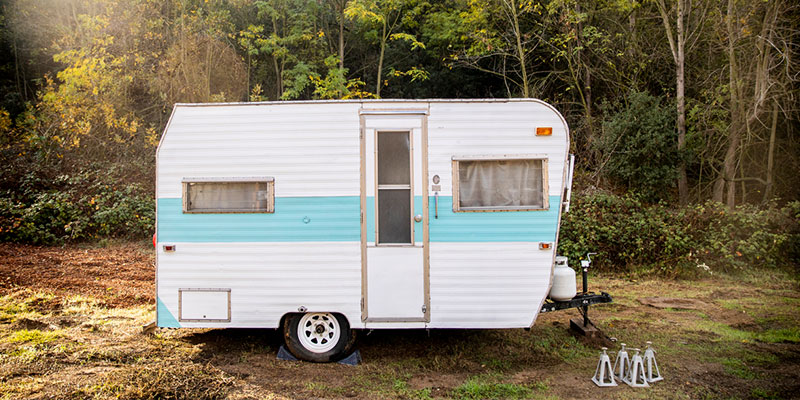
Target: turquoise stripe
[[499, 226], [337, 219], [371, 219], [296, 219], [165, 318]]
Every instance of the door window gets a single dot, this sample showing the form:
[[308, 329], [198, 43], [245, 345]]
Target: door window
[[394, 188]]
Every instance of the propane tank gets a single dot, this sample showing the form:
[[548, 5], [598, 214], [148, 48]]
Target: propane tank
[[563, 281]]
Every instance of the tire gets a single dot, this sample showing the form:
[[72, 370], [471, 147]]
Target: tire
[[318, 337]]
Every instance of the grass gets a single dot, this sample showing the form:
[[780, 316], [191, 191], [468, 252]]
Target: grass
[[738, 368], [33, 336], [159, 381], [787, 335], [736, 347], [560, 344], [25, 304], [491, 386]]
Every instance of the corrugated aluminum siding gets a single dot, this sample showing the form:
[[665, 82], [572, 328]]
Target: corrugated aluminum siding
[[312, 151]]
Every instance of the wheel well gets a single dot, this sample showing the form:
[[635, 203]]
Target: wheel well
[[286, 315]]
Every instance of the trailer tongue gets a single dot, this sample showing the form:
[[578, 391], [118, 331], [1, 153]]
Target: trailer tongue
[[581, 301]]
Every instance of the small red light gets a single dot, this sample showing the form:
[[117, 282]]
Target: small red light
[[154, 240], [169, 247]]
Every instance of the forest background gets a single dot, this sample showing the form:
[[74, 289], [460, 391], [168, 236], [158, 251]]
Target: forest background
[[683, 113]]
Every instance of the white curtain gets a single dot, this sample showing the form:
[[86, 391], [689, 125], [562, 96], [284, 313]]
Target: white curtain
[[228, 196], [500, 183]]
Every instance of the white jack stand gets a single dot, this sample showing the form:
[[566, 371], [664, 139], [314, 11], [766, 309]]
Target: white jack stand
[[636, 376], [650, 364], [622, 365], [604, 375]]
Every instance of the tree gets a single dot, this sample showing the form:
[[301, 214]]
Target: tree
[[677, 45], [385, 17], [761, 70]]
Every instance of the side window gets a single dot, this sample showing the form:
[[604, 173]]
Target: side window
[[500, 184], [229, 195]]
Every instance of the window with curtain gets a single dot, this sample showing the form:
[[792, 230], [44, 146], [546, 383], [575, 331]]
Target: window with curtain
[[234, 196], [496, 185]]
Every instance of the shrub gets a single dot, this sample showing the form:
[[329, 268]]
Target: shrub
[[48, 219], [75, 208], [632, 236], [640, 145]]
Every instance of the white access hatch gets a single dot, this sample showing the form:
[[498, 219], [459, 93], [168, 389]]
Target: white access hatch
[[204, 305]]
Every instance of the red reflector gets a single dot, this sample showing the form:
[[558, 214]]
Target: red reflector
[[169, 247], [154, 240]]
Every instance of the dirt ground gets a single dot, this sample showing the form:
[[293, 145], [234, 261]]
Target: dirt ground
[[71, 318]]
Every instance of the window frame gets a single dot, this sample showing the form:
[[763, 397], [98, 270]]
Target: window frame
[[269, 180], [505, 157]]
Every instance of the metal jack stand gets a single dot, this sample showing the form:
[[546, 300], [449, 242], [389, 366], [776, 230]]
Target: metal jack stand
[[651, 366], [604, 375], [622, 365], [636, 376]]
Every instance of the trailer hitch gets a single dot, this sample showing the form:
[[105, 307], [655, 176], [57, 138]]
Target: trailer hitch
[[582, 302]]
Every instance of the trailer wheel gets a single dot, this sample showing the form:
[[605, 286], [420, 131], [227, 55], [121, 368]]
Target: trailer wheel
[[318, 337]]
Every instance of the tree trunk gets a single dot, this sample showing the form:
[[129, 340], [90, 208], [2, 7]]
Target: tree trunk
[[683, 187], [380, 62], [278, 69], [771, 152], [208, 69], [341, 36], [520, 50], [677, 47], [587, 84], [734, 136]]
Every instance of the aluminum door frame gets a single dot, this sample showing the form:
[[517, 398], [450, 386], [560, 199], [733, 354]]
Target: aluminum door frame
[[422, 114]]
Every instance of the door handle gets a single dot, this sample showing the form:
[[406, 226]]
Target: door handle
[[418, 217], [436, 206]]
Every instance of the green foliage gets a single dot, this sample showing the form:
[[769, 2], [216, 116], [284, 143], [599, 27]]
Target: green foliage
[[632, 236], [89, 84], [640, 145], [335, 84], [76, 208]]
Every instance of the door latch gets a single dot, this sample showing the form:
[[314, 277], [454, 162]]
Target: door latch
[[424, 308]]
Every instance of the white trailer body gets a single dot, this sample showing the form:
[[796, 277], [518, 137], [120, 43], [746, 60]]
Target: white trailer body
[[393, 214]]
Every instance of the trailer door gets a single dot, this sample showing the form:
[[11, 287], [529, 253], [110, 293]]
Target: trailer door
[[394, 226]]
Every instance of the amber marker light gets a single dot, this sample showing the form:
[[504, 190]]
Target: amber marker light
[[544, 246], [544, 131]]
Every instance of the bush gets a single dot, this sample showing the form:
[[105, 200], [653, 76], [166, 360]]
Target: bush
[[632, 236], [76, 209], [640, 145]]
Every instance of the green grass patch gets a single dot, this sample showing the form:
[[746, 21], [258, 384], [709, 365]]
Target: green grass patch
[[560, 344], [24, 304], [728, 333], [489, 386], [33, 336], [738, 368], [761, 393], [788, 335]]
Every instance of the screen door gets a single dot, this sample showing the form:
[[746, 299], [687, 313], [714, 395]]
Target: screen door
[[395, 218]]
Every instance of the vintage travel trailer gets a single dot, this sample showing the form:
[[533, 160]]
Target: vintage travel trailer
[[321, 217]]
